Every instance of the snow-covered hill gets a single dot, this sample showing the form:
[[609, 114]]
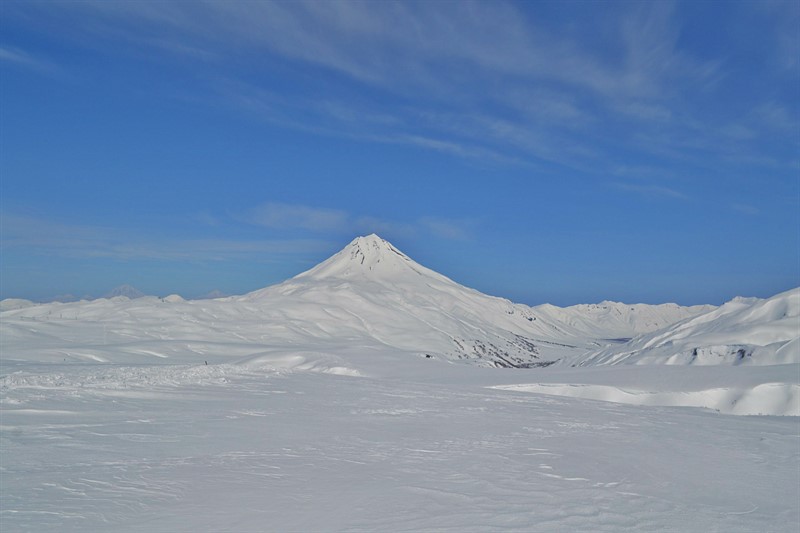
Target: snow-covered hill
[[128, 291], [619, 321], [747, 331]]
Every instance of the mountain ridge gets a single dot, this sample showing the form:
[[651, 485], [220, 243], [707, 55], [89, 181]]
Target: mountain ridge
[[372, 296], [128, 291], [742, 331]]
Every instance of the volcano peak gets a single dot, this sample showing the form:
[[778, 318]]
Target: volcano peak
[[369, 256]]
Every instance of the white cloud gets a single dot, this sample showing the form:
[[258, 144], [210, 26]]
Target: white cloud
[[56, 238], [776, 117], [326, 221], [785, 15], [447, 228], [645, 111], [650, 190], [387, 228], [738, 132], [21, 58], [423, 45], [745, 209], [295, 216], [460, 149]]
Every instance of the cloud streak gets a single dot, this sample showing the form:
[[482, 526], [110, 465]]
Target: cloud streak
[[49, 237], [293, 216], [449, 52], [323, 228], [651, 190], [320, 220], [21, 58]]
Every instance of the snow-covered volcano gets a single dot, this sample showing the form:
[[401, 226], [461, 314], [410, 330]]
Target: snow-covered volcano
[[369, 296], [372, 293], [371, 257]]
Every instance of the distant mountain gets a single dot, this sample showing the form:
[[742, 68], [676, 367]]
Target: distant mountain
[[65, 298], [619, 321], [216, 293], [372, 293], [743, 331], [126, 291]]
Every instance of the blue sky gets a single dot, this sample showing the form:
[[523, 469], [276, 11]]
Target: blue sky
[[559, 152]]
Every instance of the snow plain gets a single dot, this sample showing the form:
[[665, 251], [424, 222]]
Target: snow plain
[[366, 395]]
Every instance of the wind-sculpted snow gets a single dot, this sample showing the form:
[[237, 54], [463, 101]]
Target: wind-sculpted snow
[[781, 399], [18, 385]]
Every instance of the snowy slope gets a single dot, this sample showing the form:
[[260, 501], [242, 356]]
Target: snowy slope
[[184, 448], [746, 331], [616, 320], [10, 304]]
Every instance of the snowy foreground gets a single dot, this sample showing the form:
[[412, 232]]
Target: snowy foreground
[[365, 395]]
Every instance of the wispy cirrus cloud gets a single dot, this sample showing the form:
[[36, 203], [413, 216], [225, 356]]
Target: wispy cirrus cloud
[[487, 81], [447, 228], [786, 17], [451, 53], [51, 237], [294, 216], [488, 36], [650, 190], [21, 58], [746, 209], [776, 117], [321, 220], [325, 228]]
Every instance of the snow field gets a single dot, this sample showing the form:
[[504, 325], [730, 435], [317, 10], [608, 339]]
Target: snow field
[[244, 448]]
